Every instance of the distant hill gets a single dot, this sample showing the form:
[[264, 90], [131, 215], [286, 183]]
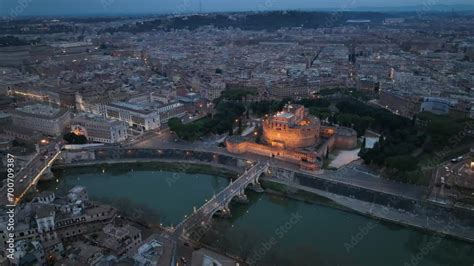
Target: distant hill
[[425, 8], [254, 21]]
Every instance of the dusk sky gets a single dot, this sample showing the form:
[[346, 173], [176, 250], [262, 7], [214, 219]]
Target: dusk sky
[[111, 7]]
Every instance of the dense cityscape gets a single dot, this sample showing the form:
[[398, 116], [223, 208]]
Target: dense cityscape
[[238, 138]]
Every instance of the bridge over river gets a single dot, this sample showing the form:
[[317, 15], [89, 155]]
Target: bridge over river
[[16, 187], [220, 202]]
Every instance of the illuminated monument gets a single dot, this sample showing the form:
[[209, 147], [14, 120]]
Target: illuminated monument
[[294, 136], [291, 128]]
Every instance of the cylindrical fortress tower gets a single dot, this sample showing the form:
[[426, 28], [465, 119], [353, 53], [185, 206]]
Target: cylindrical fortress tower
[[292, 128]]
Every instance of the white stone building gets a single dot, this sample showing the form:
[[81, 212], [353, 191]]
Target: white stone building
[[136, 116], [43, 118], [98, 129]]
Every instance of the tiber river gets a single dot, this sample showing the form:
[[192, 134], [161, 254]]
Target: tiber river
[[271, 230]]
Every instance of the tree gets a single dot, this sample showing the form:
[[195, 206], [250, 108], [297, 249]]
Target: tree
[[227, 112], [174, 123], [320, 103], [72, 138], [235, 94], [402, 163], [189, 132], [346, 119]]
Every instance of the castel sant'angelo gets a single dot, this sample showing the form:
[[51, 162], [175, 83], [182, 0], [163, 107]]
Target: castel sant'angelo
[[294, 136]]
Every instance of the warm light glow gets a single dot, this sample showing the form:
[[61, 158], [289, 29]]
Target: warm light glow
[[78, 131], [37, 177], [28, 94]]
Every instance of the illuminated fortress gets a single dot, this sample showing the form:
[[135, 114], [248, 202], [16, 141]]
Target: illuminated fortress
[[291, 128], [294, 136]]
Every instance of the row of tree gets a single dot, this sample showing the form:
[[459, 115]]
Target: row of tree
[[228, 114], [401, 144]]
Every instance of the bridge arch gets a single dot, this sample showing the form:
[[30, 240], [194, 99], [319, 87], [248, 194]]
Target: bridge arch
[[221, 201]]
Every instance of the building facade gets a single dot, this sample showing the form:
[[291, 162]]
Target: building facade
[[295, 137], [98, 129], [42, 118], [291, 128], [436, 105], [135, 116]]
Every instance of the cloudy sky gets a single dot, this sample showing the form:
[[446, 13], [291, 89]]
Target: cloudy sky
[[111, 7]]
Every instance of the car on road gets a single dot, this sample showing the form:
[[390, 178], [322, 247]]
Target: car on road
[[457, 159], [22, 179]]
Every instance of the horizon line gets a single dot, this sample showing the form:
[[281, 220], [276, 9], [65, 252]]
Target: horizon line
[[376, 9]]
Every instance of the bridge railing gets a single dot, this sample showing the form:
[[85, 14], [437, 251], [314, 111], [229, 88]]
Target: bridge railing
[[257, 169], [36, 177]]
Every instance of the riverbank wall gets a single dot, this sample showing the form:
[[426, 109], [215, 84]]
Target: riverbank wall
[[457, 223]]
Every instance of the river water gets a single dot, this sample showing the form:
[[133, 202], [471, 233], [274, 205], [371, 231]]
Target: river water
[[271, 230]]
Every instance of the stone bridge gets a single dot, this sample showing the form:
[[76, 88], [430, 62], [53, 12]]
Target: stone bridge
[[17, 187], [220, 202]]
